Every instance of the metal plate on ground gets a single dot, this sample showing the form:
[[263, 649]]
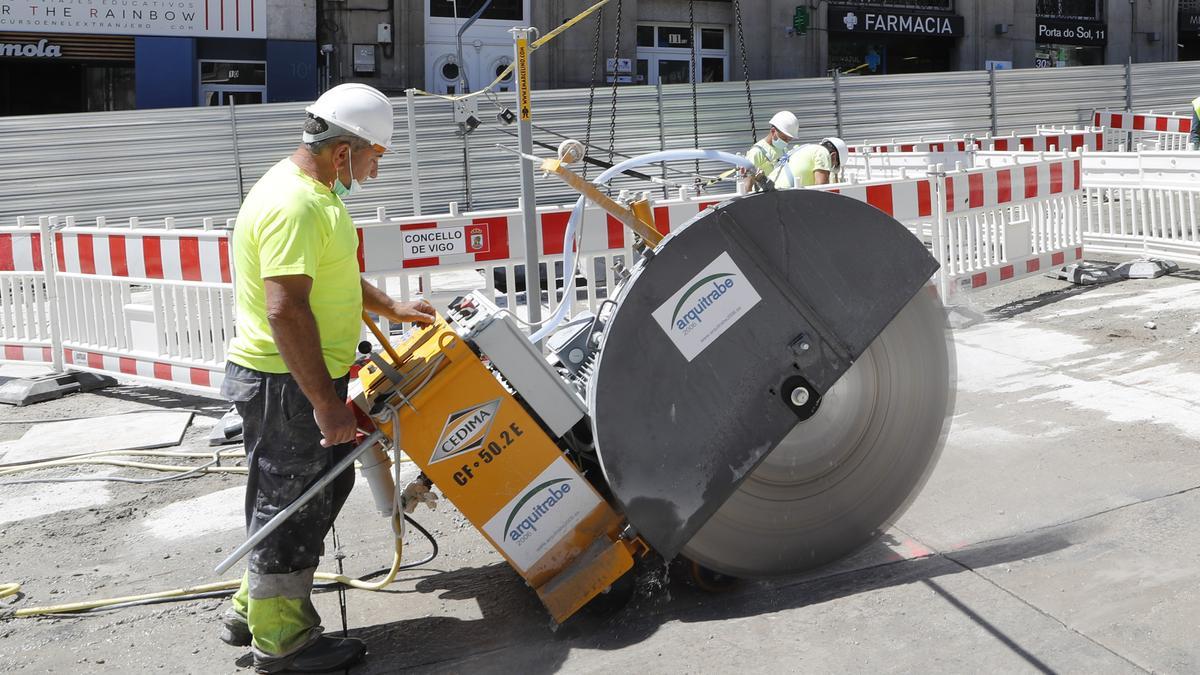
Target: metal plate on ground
[[135, 431], [712, 334]]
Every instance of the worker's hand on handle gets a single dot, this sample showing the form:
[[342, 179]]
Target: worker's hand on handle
[[416, 311], [337, 423]]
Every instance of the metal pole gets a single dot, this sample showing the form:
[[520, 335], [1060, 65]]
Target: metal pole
[[662, 137], [837, 101], [55, 315], [533, 277], [274, 523], [414, 165], [237, 157], [992, 93], [467, 168], [1129, 98]]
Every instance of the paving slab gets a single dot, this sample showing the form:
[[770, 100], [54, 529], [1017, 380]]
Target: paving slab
[[1130, 580], [1053, 423], [135, 431]]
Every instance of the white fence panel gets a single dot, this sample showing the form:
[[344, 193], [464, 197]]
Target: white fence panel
[[1006, 222], [1144, 203], [28, 325], [148, 304]]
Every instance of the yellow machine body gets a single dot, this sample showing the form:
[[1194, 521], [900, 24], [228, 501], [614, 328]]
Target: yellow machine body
[[492, 460]]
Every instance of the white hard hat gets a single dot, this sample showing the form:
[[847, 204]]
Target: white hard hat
[[360, 109], [838, 144], [786, 123]]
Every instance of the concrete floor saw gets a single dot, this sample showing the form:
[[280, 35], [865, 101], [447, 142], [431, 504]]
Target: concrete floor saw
[[764, 392]]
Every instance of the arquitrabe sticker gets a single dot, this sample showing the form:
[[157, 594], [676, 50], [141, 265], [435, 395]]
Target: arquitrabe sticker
[[542, 514], [706, 306]]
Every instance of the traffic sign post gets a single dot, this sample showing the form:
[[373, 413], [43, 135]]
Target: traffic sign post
[[533, 277]]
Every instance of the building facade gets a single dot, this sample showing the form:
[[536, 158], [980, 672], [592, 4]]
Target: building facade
[[415, 43], [59, 56]]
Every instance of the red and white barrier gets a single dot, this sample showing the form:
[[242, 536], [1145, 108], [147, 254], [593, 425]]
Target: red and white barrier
[[1046, 140], [1144, 204], [28, 326], [149, 304], [1006, 222], [1149, 130], [157, 305]]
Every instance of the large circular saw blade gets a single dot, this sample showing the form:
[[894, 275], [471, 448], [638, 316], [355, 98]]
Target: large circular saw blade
[[710, 361], [844, 475]]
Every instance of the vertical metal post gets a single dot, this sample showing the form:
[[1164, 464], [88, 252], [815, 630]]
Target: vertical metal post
[[55, 317], [533, 277], [1129, 98], [414, 164], [837, 101], [940, 240], [1129, 84], [662, 136], [237, 157], [467, 169], [992, 94]]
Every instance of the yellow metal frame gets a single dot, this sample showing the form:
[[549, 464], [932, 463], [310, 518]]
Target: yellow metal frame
[[498, 464], [639, 218]]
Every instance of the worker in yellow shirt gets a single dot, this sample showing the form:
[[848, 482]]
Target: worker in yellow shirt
[[299, 305], [768, 151], [811, 164], [1194, 136]]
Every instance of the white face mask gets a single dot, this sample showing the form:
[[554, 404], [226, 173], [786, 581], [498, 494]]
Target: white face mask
[[340, 189]]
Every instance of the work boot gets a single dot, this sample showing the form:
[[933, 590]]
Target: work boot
[[234, 629], [326, 654]]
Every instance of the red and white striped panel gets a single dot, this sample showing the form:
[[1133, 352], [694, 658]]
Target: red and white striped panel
[[163, 255], [905, 200], [26, 353], [205, 378], [1091, 139], [1034, 264], [20, 250], [1131, 121], [949, 145], [988, 188]]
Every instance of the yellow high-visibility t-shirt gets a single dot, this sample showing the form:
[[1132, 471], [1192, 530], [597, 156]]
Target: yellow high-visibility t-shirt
[[291, 224], [764, 154], [801, 164]]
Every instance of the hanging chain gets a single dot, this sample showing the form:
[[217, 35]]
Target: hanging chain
[[695, 107], [612, 120], [587, 138], [737, 11]]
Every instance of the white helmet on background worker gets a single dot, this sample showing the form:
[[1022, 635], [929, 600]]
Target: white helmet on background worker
[[835, 144], [357, 108], [787, 124]]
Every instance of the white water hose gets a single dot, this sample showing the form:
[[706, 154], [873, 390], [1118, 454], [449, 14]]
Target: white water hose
[[564, 307]]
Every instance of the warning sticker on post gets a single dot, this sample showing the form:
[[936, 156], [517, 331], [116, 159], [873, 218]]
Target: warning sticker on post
[[523, 78], [443, 241]]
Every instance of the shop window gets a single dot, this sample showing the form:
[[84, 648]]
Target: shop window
[[666, 52], [645, 36], [1066, 56], [712, 38], [679, 37], [1071, 9], [232, 82], [926, 5], [499, 10]]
